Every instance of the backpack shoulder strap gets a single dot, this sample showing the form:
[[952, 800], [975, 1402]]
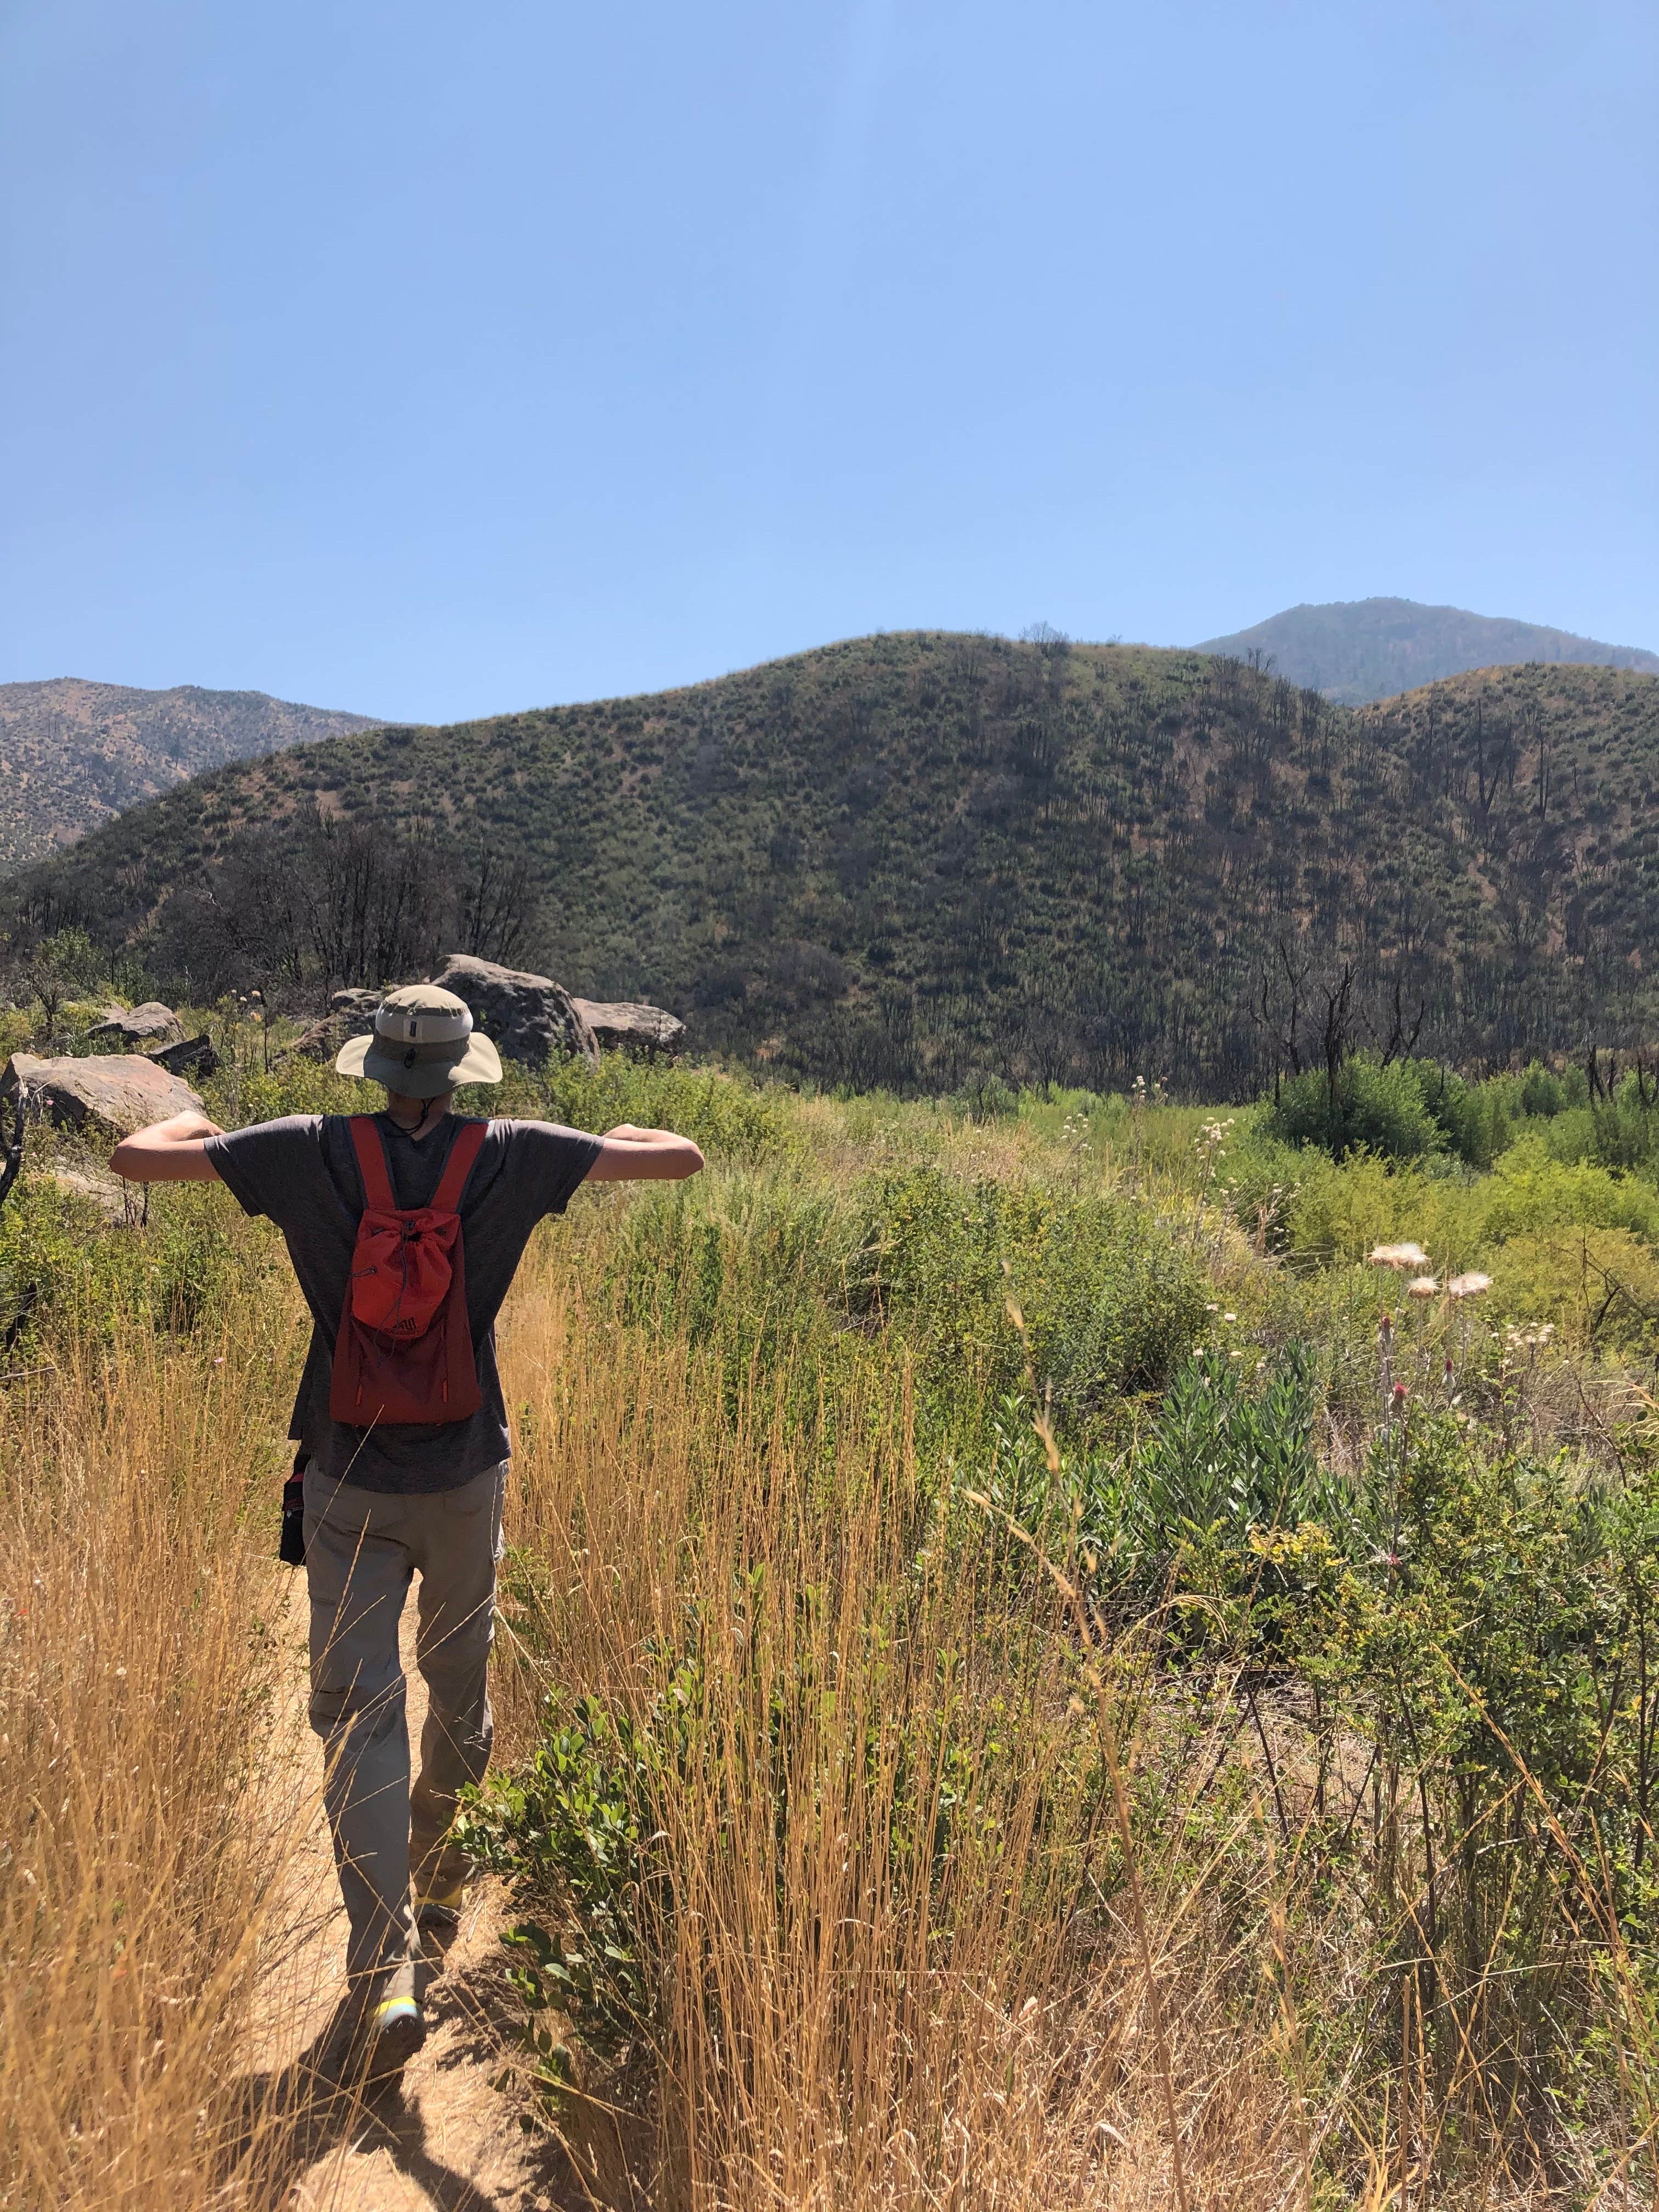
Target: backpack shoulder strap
[[465, 1148], [378, 1194]]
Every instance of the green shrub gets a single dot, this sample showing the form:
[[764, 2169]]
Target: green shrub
[[749, 1263], [171, 1262], [1110, 1300], [572, 1830], [1221, 1459], [1370, 1108], [1259, 1177], [1625, 1126], [1225, 1464], [1530, 1190], [1541, 1092], [1340, 1210], [1599, 1286], [1474, 1120], [732, 1119]]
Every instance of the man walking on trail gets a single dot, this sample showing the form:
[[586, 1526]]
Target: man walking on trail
[[386, 1497]]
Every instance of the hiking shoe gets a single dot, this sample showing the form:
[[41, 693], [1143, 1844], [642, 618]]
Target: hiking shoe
[[393, 2032], [438, 1904], [379, 2029]]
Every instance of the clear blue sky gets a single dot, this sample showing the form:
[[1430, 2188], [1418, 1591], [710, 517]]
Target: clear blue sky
[[434, 360]]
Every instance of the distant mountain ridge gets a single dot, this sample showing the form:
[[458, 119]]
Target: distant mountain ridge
[[73, 753], [921, 859], [1357, 651]]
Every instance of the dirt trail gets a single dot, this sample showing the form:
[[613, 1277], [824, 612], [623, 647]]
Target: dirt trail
[[447, 2138]]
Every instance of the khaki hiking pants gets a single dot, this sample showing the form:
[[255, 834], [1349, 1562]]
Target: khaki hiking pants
[[363, 1549]]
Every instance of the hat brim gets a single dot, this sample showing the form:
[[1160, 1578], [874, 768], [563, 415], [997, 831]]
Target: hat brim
[[375, 1058]]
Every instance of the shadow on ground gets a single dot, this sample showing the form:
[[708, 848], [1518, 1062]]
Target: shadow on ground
[[286, 2124]]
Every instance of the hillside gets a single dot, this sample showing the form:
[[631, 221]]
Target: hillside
[[72, 754], [1356, 650], [923, 859]]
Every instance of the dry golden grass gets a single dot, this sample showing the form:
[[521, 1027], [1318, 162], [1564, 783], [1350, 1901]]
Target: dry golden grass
[[135, 1684], [839, 2031], [849, 2020], [1020, 2029]]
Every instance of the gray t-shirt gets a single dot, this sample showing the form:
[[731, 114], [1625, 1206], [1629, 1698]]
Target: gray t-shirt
[[303, 1171]]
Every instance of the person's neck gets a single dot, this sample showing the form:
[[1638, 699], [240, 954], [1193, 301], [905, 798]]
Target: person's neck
[[416, 1117]]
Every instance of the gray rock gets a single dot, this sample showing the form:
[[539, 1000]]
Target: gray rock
[[119, 1092], [195, 1056], [152, 1024], [525, 1018], [351, 1013], [625, 1024], [103, 1191]]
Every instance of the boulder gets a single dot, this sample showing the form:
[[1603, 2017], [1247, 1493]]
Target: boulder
[[525, 1017], [351, 1013], [152, 1024], [195, 1056], [117, 1092], [102, 1191], [624, 1024], [357, 1007]]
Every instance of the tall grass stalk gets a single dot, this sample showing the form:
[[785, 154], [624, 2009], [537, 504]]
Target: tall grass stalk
[[140, 1838], [885, 1923]]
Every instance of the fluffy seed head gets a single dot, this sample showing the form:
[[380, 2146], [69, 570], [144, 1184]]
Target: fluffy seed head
[[1400, 1256]]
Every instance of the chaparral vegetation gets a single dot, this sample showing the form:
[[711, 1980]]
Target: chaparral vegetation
[[1058, 1650]]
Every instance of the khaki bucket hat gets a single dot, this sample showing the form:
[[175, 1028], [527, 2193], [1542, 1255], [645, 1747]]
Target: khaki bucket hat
[[423, 1045]]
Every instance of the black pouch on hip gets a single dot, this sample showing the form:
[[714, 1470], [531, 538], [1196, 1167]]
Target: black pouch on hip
[[292, 1549]]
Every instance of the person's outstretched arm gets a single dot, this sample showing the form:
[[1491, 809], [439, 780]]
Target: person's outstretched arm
[[632, 1154], [174, 1150]]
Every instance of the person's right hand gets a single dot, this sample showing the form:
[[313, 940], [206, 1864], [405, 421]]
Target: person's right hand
[[189, 1124]]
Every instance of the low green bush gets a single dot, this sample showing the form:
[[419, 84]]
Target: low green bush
[[749, 1264], [572, 1829], [1369, 1107], [1340, 1210], [1221, 1460], [1111, 1300], [170, 1260], [731, 1118]]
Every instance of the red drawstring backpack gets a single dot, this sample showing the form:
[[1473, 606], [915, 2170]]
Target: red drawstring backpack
[[404, 1351]]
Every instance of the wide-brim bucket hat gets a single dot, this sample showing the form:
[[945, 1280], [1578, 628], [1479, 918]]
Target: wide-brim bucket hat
[[423, 1045]]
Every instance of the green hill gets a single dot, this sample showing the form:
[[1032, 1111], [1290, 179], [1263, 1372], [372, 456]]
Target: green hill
[[1356, 650], [927, 859], [73, 754]]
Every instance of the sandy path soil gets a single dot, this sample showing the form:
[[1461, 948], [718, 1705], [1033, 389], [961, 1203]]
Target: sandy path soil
[[446, 2137]]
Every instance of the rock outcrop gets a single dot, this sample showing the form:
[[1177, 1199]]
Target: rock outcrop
[[351, 1013], [195, 1056], [102, 1191], [525, 1018], [625, 1024], [150, 1025], [116, 1092]]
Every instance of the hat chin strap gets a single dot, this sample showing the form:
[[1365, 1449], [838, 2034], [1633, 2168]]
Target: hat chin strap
[[426, 1108]]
